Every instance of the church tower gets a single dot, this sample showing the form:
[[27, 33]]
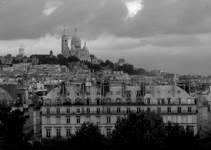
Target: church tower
[[65, 48]]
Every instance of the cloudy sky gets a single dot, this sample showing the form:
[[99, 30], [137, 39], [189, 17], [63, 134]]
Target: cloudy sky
[[173, 35]]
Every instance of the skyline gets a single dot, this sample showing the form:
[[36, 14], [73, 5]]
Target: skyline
[[173, 35]]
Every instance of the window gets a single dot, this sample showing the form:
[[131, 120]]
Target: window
[[118, 118], [68, 119], [108, 110], [77, 129], [58, 132], [148, 109], [57, 119], [128, 94], [48, 132], [108, 119], [68, 110], [108, 131], [48, 119], [128, 110], [189, 109], [58, 110], [169, 109], [88, 101], [78, 110], [118, 110], [138, 94], [98, 119], [77, 119], [68, 132], [88, 110], [179, 100], [98, 101], [158, 110], [163, 101], [78, 93], [138, 110], [98, 110], [48, 110], [169, 100], [179, 109]]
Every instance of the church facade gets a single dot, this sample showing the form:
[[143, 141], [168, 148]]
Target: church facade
[[76, 49]]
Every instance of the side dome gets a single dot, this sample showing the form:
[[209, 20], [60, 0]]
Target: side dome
[[85, 48]]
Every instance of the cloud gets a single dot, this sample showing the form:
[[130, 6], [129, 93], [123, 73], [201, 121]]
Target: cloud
[[21, 19], [133, 7], [51, 6]]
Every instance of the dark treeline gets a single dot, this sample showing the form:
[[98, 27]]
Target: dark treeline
[[144, 130]]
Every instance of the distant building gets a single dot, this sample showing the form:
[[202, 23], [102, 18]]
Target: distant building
[[37, 58], [76, 49], [21, 51], [121, 62]]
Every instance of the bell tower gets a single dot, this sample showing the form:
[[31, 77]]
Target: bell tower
[[64, 42]]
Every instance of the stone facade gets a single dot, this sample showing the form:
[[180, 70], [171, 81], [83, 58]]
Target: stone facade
[[66, 108]]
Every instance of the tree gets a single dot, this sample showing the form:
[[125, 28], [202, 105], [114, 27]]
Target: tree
[[88, 137], [177, 137], [148, 131], [11, 127], [145, 130], [204, 143]]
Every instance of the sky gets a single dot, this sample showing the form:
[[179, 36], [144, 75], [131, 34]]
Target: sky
[[172, 35]]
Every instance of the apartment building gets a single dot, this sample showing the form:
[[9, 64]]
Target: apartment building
[[67, 107]]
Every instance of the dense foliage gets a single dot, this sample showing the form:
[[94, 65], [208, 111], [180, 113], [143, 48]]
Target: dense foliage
[[144, 130], [11, 128]]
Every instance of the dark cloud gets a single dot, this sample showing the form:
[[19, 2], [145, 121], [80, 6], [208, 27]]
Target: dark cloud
[[22, 19]]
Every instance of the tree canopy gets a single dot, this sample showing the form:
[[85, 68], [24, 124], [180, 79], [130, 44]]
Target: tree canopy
[[11, 127]]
